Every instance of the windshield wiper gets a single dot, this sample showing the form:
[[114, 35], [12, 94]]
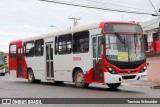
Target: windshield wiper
[[123, 41], [135, 41], [119, 37]]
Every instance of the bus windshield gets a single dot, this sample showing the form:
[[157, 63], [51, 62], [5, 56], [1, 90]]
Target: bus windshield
[[125, 47], [1, 58]]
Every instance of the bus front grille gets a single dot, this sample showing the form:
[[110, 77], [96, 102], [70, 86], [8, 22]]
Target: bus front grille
[[129, 77], [134, 66]]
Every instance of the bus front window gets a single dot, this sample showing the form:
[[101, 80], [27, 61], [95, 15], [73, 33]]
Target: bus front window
[[127, 48]]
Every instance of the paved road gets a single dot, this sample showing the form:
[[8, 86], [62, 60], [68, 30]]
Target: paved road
[[11, 87]]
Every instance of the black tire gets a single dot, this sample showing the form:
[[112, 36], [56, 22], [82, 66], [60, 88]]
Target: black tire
[[58, 82], [79, 79], [37, 81], [31, 77], [2, 74], [114, 86]]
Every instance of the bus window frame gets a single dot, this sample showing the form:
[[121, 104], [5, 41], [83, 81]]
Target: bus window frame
[[41, 46], [66, 50], [84, 42], [30, 55], [10, 51]]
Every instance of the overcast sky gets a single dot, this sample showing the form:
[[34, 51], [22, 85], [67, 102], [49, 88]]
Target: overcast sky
[[26, 18]]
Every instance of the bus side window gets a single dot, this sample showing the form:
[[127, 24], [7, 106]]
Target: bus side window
[[99, 47], [24, 48], [12, 52], [81, 42], [39, 47], [56, 45], [29, 49], [64, 44], [69, 43]]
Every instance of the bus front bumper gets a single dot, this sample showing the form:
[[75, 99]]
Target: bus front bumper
[[117, 78]]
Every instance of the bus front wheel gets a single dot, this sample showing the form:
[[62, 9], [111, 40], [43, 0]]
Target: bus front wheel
[[79, 79], [31, 77], [3, 74], [114, 85]]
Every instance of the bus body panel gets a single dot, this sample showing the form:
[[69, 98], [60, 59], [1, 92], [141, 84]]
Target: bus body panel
[[81, 61], [37, 65], [13, 62], [110, 78], [64, 71]]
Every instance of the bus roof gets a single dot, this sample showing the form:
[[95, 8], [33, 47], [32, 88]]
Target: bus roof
[[67, 31]]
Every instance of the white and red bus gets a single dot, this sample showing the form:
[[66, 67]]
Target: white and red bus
[[105, 52]]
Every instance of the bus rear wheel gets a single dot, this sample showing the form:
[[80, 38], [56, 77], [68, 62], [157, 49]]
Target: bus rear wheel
[[31, 77], [58, 82], [79, 79], [114, 85]]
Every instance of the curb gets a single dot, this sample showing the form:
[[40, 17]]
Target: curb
[[143, 85], [136, 86], [155, 87]]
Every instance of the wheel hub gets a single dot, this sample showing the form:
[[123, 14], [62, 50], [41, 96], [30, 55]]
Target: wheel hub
[[30, 76], [80, 78]]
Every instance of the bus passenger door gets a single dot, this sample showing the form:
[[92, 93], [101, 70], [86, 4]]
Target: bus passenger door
[[49, 60], [97, 57], [19, 63]]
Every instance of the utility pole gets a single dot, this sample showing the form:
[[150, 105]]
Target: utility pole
[[75, 20]]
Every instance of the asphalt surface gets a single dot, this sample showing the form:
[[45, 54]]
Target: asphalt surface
[[12, 87]]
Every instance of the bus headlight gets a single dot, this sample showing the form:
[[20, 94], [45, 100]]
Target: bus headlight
[[111, 70], [143, 69]]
